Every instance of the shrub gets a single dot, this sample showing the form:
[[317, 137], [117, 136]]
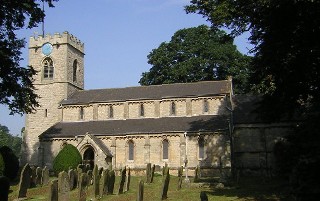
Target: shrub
[[11, 162], [69, 156]]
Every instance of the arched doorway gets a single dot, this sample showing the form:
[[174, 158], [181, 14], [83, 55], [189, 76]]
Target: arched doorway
[[88, 157]]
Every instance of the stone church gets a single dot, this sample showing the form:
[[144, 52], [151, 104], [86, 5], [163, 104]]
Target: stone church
[[194, 124]]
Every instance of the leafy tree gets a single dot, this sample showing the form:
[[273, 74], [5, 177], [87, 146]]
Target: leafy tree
[[286, 69], [11, 162], [6, 139], [197, 54], [16, 88]]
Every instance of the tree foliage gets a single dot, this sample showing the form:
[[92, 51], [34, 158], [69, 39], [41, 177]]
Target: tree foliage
[[197, 54], [69, 156], [6, 139], [11, 162], [285, 69], [16, 88]]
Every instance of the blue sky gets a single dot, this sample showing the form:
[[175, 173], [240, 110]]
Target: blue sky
[[118, 36]]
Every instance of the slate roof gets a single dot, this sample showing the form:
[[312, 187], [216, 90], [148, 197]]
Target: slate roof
[[138, 126], [153, 92]]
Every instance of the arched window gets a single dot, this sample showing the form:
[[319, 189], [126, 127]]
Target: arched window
[[75, 68], [201, 148], [141, 110], [205, 106], [130, 150], [110, 111], [165, 149], [81, 113], [173, 108], [48, 69]]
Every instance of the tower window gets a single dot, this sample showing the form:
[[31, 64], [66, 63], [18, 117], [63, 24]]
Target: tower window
[[110, 111], [46, 113], [205, 106], [131, 150], [141, 110], [173, 108], [48, 68], [165, 149], [201, 148], [75, 68]]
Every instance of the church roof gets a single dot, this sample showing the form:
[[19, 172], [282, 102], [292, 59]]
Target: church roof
[[153, 92], [138, 126]]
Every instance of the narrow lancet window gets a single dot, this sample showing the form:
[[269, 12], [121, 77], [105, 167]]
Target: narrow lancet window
[[131, 150], [75, 69], [165, 149], [201, 148], [173, 108], [48, 69]]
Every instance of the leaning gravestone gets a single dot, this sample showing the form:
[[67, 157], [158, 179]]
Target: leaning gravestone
[[165, 183], [38, 175], [83, 182], [33, 181], [64, 186], [4, 190], [45, 176], [24, 183], [122, 181], [53, 187]]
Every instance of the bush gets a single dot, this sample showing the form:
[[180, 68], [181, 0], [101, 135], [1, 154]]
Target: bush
[[11, 162], [69, 156], [1, 165]]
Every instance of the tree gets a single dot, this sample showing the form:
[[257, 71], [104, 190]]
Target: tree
[[197, 54], [285, 69], [6, 139], [16, 88], [68, 157], [11, 162]]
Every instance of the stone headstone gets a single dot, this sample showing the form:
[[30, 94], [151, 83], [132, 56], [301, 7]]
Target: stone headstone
[[148, 173], [53, 190], [122, 180], [71, 176], [140, 191], [80, 171], [152, 172], [63, 186], [180, 172], [45, 176], [96, 180], [38, 175], [127, 185], [4, 190], [165, 183], [90, 177], [104, 183], [83, 182], [197, 174], [33, 180], [24, 183], [112, 178]]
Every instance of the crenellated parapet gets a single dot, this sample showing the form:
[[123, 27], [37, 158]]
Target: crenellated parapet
[[56, 39]]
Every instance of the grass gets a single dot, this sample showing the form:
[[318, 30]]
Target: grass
[[248, 189]]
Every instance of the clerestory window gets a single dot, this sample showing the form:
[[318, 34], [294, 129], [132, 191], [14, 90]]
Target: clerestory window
[[130, 150], [165, 149]]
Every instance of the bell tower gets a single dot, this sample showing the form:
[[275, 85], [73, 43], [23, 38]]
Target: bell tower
[[59, 62]]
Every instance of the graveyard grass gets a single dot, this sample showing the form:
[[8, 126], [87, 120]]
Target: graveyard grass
[[248, 189]]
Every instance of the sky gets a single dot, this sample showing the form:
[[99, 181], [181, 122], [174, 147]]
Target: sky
[[118, 35]]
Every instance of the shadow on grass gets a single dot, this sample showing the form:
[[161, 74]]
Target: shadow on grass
[[252, 188]]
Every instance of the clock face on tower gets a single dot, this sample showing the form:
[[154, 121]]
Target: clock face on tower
[[47, 49]]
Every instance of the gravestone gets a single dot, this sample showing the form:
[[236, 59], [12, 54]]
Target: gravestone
[[53, 190], [4, 190], [45, 176], [203, 196], [165, 183], [89, 172], [33, 180], [127, 185], [63, 186], [140, 191], [180, 172], [152, 172], [122, 180], [24, 183], [80, 171], [148, 173], [38, 175], [96, 179], [197, 174], [112, 178], [71, 179], [104, 183], [83, 182]]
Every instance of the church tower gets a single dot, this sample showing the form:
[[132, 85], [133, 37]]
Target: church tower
[[59, 62]]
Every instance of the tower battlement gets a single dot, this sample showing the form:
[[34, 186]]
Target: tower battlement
[[56, 39]]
